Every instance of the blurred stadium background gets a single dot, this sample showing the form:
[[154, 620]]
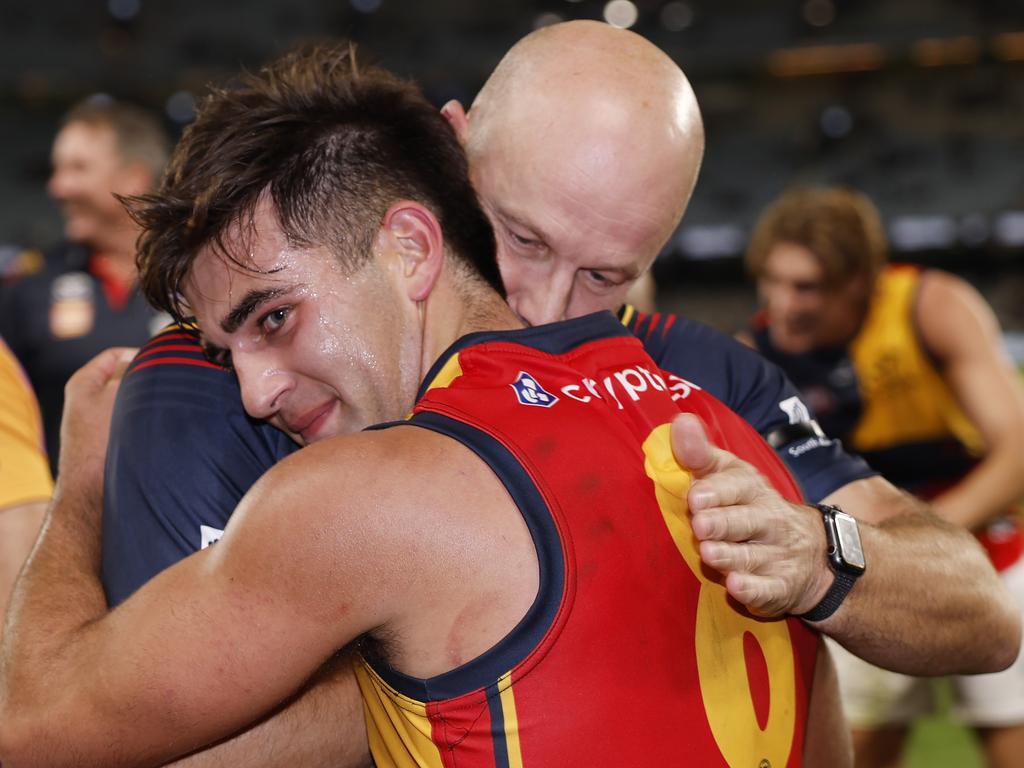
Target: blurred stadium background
[[919, 103]]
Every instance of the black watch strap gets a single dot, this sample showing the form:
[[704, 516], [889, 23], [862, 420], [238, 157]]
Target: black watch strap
[[840, 588]]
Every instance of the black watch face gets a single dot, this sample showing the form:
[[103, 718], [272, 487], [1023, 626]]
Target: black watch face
[[849, 542]]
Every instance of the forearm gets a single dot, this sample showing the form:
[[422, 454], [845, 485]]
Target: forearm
[[930, 602], [56, 596], [19, 527], [322, 727], [985, 492], [827, 739]]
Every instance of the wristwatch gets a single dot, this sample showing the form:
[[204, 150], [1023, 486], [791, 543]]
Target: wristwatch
[[845, 558]]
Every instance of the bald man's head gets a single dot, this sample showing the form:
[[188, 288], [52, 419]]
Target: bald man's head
[[584, 145]]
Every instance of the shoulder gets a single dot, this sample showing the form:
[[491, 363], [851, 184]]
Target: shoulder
[[951, 316]]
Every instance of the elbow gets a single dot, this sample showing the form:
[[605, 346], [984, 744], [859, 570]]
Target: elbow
[[1009, 650]]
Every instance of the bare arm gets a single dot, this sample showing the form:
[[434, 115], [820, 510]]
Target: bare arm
[[827, 742], [19, 526], [322, 727], [961, 331], [929, 603], [207, 647]]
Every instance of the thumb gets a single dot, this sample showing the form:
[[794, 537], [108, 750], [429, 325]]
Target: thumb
[[691, 446]]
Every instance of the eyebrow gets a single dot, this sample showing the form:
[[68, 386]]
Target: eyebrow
[[248, 304]]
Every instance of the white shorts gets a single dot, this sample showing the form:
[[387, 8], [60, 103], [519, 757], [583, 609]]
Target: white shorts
[[875, 698]]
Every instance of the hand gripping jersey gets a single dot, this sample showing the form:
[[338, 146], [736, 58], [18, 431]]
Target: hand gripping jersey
[[631, 654], [882, 394], [756, 390]]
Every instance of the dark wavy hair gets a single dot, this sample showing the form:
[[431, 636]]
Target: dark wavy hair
[[334, 144]]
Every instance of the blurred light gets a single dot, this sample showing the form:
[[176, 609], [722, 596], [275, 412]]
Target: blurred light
[[621, 13], [710, 241], [935, 52], [974, 230], [547, 19], [1009, 46], [825, 59], [922, 233], [124, 10], [99, 99], [366, 6], [181, 107], [676, 16], [1010, 229], [836, 122], [819, 13]]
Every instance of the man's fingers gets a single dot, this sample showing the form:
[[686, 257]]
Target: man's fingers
[[733, 523], [108, 365], [761, 595], [691, 446], [732, 557]]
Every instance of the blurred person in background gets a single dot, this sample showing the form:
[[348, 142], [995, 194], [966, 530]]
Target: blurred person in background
[[85, 298], [571, 248], [25, 482], [906, 366]]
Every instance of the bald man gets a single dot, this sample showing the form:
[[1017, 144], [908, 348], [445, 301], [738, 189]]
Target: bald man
[[581, 207], [580, 212]]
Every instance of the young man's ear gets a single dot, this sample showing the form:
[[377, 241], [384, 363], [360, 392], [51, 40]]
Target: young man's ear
[[457, 118], [411, 235]]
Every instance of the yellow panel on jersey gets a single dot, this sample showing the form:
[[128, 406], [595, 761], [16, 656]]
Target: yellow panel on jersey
[[24, 470], [452, 370], [723, 634], [397, 725], [905, 398]]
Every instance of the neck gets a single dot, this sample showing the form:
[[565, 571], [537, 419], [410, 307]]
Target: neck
[[117, 244], [453, 311]]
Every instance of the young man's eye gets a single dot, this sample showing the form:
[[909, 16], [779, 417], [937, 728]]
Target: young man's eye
[[272, 321]]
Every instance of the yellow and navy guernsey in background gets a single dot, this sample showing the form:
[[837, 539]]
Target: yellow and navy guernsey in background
[[883, 395], [24, 470], [631, 654]]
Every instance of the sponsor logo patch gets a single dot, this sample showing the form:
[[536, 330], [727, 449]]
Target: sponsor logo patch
[[795, 410], [529, 391]]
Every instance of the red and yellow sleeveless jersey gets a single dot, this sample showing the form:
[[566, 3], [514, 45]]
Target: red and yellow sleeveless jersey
[[631, 654]]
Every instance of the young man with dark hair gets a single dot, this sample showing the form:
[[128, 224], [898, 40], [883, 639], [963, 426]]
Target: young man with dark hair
[[478, 549]]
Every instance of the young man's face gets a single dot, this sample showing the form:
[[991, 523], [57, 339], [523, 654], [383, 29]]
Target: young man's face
[[803, 312], [317, 351]]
